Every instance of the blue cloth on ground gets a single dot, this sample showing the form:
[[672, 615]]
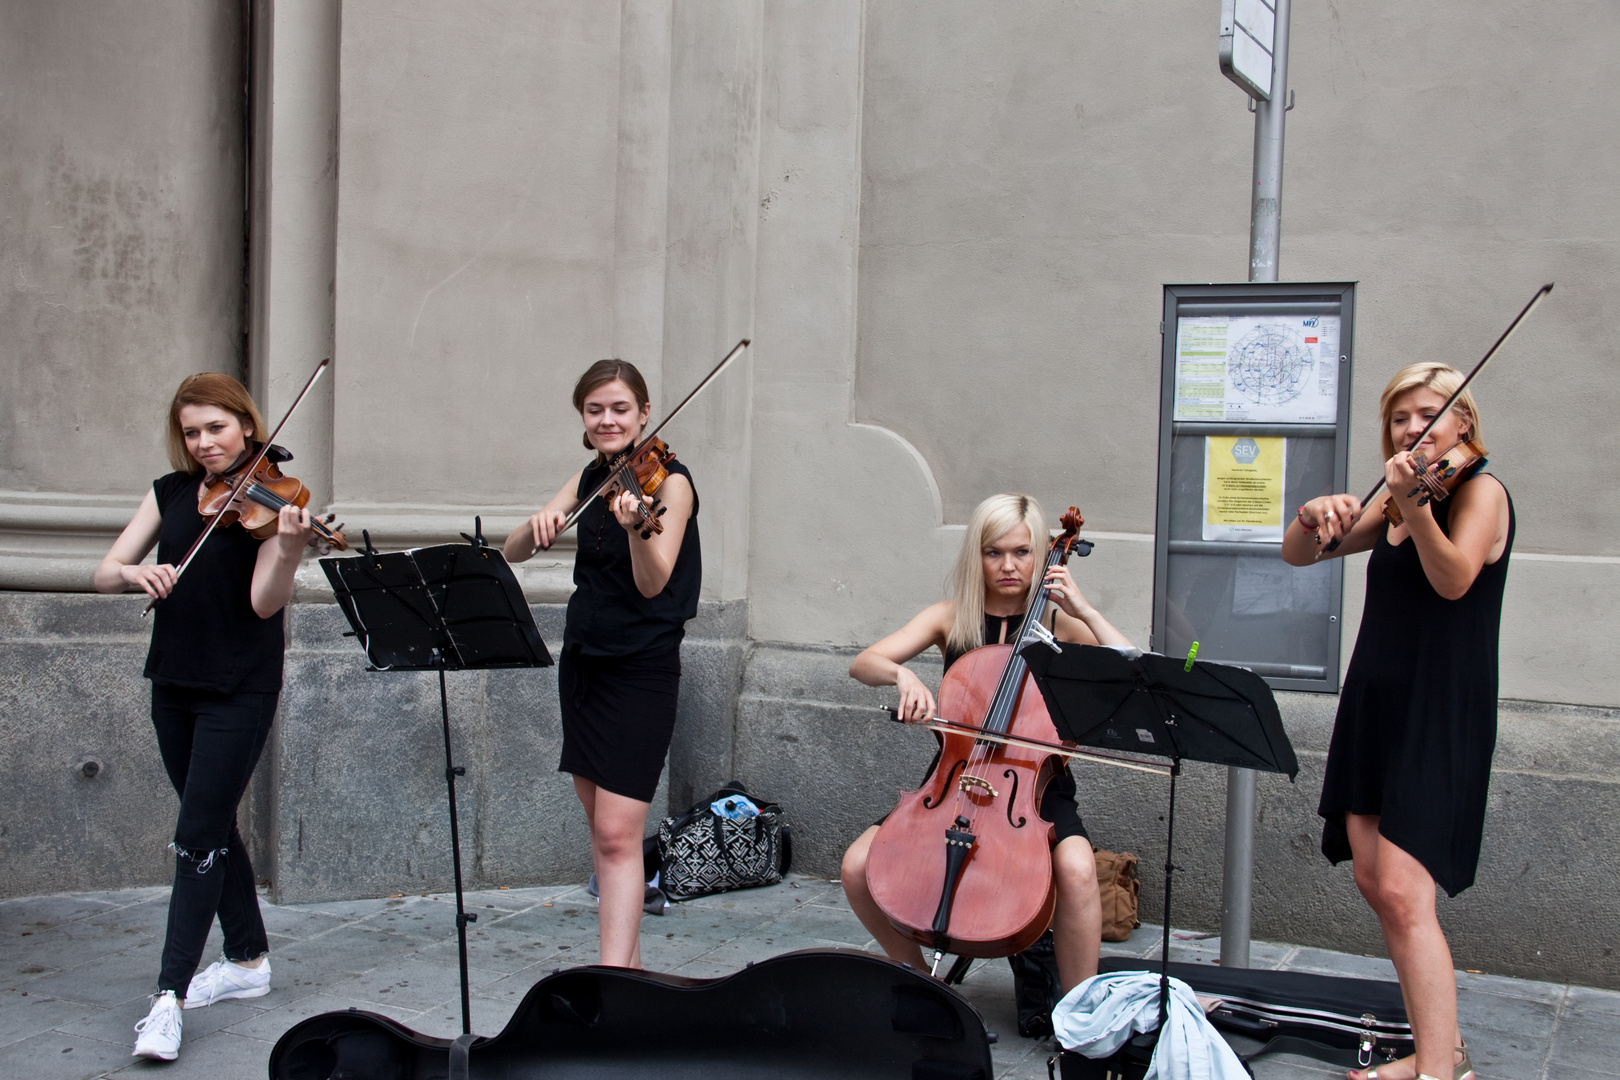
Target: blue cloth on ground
[[1098, 1016]]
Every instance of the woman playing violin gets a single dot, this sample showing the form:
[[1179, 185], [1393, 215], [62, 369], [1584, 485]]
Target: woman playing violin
[[635, 589], [1404, 792], [215, 663], [989, 590]]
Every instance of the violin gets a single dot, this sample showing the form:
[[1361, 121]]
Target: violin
[[1449, 471], [642, 471], [255, 501], [964, 863]]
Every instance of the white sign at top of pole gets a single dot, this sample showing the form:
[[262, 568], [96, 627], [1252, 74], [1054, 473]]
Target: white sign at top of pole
[[1248, 35]]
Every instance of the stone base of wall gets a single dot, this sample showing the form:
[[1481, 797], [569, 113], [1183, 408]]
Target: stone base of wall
[[1548, 888], [349, 800]]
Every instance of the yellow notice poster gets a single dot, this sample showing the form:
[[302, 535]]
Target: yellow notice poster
[[1243, 488]]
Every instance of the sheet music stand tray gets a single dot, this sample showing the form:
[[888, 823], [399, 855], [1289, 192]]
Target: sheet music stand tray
[[454, 607]]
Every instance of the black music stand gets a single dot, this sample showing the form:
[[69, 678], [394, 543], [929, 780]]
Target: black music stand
[[455, 607], [1159, 705]]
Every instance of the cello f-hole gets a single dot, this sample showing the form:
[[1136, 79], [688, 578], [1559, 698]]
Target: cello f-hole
[[929, 802], [1012, 774]]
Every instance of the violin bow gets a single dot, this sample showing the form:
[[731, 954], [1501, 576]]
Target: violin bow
[[950, 727], [1541, 294], [247, 477], [624, 458]]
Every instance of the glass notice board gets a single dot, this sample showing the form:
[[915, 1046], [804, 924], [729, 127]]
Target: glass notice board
[[1254, 411]]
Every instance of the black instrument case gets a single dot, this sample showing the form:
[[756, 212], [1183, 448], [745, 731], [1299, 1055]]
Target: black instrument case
[[819, 1013], [1354, 1023]]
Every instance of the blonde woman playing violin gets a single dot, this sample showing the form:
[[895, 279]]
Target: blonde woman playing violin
[[989, 591], [1403, 796], [215, 664], [620, 669]]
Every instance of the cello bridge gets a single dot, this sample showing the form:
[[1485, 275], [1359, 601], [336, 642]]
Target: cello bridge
[[969, 782]]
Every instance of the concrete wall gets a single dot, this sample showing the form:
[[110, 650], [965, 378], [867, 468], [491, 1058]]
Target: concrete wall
[[121, 257], [945, 226]]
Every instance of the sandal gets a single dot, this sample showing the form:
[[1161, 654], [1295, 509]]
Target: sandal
[[1462, 1069], [1375, 1073]]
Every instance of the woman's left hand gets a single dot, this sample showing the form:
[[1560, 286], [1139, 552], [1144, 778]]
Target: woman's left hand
[[628, 510], [293, 528], [1067, 594], [1401, 474]]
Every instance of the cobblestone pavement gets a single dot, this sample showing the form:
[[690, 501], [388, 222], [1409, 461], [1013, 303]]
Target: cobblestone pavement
[[75, 971]]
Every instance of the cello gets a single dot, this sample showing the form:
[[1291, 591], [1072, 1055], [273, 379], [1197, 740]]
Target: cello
[[964, 863]]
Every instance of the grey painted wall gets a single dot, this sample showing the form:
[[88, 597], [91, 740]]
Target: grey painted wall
[[944, 225], [122, 248]]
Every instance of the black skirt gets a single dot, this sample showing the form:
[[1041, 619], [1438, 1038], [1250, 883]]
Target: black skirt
[[618, 714]]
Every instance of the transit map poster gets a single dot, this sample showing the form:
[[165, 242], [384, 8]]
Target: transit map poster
[[1258, 369]]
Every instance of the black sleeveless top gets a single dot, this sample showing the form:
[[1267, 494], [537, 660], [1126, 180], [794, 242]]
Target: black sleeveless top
[[1416, 726], [607, 615], [993, 631], [205, 634]]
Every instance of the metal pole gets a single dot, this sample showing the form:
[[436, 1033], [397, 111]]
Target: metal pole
[[451, 771], [1265, 213], [1265, 232]]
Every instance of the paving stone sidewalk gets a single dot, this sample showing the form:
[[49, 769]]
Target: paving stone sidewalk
[[75, 971]]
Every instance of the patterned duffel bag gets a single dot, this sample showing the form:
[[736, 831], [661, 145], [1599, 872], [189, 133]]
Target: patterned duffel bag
[[719, 845]]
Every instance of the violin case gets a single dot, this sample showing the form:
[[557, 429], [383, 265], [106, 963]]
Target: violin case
[[818, 1013], [1353, 1023]]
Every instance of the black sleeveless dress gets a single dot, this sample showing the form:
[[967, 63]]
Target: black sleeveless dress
[[1416, 726], [1058, 803], [620, 671]]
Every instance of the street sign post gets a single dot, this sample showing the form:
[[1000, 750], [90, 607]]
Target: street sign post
[[1248, 42]]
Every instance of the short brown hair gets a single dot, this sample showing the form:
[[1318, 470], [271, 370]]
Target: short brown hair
[[221, 391], [600, 374], [1443, 379]]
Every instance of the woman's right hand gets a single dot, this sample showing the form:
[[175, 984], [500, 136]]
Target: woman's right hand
[[916, 702], [1330, 517], [545, 525], [155, 581]]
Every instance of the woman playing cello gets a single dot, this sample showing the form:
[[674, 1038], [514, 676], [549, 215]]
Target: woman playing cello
[[635, 589], [989, 590], [1404, 792], [215, 663]]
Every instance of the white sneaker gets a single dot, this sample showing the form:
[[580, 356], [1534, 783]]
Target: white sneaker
[[159, 1034], [227, 979]]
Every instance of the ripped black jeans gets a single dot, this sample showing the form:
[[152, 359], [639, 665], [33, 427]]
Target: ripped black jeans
[[210, 743]]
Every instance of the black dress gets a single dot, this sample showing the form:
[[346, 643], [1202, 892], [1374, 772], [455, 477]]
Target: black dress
[[620, 672], [1416, 726]]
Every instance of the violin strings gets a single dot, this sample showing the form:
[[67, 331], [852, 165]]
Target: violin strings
[[998, 717], [267, 497]]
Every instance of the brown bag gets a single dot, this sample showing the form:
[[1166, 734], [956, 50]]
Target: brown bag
[[1118, 884]]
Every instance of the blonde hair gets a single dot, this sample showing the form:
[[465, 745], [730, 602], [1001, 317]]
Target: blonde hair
[[220, 391], [964, 586], [1443, 380]]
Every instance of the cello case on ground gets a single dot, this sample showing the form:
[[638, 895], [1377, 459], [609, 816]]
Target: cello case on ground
[[812, 1014], [1351, 1023]]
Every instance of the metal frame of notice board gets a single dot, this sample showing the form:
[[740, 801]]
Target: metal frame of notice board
[[1254, 410]]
